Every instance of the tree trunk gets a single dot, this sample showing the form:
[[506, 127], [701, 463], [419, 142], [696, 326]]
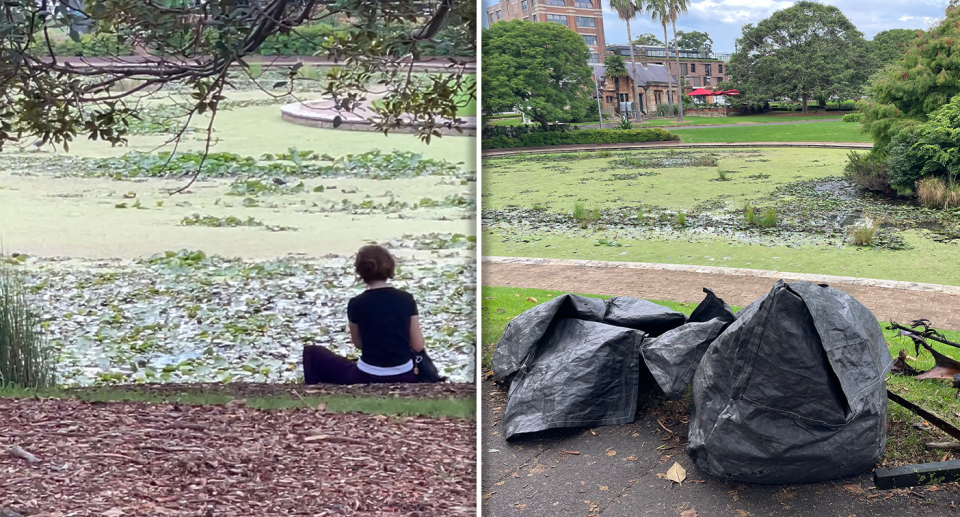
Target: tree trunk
[[636, 85], [666, 62], [542, 120], [676, 48], [805, 98]]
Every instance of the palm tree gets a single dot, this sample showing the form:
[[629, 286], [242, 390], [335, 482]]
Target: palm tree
[[659, 10], [616, 68], [677, 8], [627, 10]]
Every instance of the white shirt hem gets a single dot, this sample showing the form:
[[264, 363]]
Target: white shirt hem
[[384, 372]]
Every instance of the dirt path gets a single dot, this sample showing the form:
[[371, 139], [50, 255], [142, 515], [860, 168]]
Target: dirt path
[[115, 459], [742, 124], [889, 300]]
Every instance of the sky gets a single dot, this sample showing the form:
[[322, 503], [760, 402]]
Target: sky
[[723, 19]]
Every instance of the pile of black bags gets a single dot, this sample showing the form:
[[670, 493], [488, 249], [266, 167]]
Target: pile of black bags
[[789, 390]]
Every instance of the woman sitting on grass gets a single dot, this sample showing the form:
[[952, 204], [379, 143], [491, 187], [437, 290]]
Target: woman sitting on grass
[[384, 325]]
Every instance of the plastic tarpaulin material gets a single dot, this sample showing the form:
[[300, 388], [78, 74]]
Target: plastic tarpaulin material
[[639, 314], [522, 333], [673, 357], [584, 373], [793, 390]]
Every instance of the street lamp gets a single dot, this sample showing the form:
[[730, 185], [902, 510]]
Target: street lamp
[[596, 86]]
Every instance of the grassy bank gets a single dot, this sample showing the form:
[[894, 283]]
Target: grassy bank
[[815, 132], [449, 407]]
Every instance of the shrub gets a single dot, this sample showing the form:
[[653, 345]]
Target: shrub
[[867, 171], [624, 123], [582, 136], [904, 165], [853, 117], [722, 175], [26, 360]]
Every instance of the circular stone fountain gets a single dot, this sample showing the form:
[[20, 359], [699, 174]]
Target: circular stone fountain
[[321, 113]]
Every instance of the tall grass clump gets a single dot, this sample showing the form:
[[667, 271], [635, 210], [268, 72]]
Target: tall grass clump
[[749, 216], [579, 212], [769, 219], [681, 219], [936, 193], [26, 359], [863, 235]]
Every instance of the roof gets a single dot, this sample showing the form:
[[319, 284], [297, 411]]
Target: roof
[[650, 74]]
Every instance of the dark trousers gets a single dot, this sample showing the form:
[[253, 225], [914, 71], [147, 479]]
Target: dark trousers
[[321, 366]]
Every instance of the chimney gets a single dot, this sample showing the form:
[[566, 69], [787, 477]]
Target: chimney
[[642, 55]]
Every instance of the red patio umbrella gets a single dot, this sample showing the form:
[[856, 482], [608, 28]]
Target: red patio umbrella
[[731, 92], [700, 91]]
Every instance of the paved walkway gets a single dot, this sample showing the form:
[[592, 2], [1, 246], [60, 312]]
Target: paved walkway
[[889, 300], [579, 148]]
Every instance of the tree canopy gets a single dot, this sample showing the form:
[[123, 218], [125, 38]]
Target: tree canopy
[[647, 39], [538, 68], [887, 46], [694, 40], [197, 42], [806, 51], [924, 78]]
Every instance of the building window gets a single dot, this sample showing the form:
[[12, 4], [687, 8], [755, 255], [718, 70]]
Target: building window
[[533, 18], [594, 57], [706, 70], [498, 15], [586, 21], [693, 68], [706, 81], [557, 18], [491, 17], [609, 99], [589, 40], [556, 2], [583, 4], [524, 4], [683, 69], [696, 81], [624, 97], [720, 69]]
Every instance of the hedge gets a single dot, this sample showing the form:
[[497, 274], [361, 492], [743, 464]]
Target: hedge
[[582, 136], [853, 117]]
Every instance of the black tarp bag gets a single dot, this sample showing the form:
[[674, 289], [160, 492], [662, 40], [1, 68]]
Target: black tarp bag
[[792, 391]]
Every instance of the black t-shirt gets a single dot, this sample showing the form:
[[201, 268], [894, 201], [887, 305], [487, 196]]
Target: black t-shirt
[[383, 317]]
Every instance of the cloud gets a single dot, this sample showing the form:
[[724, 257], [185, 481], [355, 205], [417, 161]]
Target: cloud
[[905, 18]]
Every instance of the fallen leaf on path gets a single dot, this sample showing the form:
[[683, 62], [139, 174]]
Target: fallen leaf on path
[[572, 452], [611, 453], [677, 473], [531, 299], [604, 488], [688, 513]]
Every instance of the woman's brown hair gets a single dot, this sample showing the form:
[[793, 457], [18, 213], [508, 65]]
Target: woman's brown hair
[[374, 263]]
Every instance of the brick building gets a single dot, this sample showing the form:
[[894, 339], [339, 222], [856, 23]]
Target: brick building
[[698, 69], [651, 78], [583, 16]]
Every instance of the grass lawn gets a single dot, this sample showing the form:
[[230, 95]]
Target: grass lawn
[[449, 407], [905, 444], [816, 132], [694, 120]]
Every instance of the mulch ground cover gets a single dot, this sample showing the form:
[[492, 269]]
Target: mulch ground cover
[[116, 459]]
